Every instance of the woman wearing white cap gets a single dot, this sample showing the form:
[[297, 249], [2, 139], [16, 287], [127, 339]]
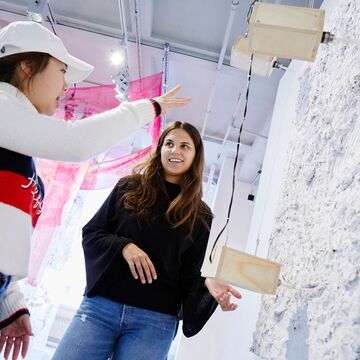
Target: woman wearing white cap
[[35, 68]]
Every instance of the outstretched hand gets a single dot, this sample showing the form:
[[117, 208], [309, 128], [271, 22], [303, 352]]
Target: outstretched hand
[[140, 265], [16, 336], [222, 293], [168, 100]]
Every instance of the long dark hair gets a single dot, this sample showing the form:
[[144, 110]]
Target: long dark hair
[[36, 61], [149, 181]]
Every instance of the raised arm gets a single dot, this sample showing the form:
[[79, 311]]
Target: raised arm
[[25, 131]]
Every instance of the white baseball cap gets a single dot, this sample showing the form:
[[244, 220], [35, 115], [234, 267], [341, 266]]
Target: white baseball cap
[[28, 36]]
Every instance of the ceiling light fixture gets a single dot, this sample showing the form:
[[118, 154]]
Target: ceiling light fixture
[[37, 10], [117, 57], [121, 80]]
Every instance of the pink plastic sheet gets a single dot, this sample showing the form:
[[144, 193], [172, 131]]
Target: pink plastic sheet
[[63, 180]]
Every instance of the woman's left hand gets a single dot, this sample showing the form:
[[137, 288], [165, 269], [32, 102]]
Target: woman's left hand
[[222, 293]]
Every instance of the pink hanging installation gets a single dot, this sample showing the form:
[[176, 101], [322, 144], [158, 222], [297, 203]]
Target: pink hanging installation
[[106, 173], [63, 180]]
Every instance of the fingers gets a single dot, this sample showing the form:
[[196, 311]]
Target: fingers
[[145, 269], [133, 271], [234, 292], [152, 269], [25, 345], [142, 268], [16, 350], [173, 91], [173, 102], [8, 346], [224, 301], [140, 271], [2, 342], [15, 344]]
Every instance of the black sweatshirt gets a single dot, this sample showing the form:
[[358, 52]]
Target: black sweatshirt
[[176, 257]]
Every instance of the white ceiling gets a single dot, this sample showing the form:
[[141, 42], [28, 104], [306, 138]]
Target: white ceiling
[[195, 30]]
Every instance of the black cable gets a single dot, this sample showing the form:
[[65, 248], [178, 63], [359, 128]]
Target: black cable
[[236, 160], [248, 15]]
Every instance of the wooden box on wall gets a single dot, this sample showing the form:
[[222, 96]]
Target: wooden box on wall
[[243, 270], [285, 31]]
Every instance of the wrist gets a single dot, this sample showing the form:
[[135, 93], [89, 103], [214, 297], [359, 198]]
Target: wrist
[[126, 247]]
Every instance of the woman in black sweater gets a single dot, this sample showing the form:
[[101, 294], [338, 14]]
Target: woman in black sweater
[[143, 252]]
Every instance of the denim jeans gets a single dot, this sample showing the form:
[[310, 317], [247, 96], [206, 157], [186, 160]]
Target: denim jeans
[[103, 329], [4, 283]]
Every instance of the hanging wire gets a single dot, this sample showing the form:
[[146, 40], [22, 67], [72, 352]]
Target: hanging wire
[[235, 162], [248, 15]]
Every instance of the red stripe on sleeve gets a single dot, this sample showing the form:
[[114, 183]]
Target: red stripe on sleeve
[[16, 191]]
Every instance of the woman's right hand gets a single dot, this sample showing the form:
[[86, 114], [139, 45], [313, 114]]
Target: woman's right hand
[[140, 265], [168, 100]]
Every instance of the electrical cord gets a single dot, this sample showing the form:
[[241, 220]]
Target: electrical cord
[[235, 161]]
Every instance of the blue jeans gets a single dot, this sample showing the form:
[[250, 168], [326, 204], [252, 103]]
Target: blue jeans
[[103, 329], [4, 283]]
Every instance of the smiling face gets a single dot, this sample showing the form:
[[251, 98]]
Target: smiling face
[[177, 155], [46, 87]]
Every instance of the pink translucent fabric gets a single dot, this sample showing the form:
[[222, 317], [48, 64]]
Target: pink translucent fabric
[[106, 174], [63, 180]]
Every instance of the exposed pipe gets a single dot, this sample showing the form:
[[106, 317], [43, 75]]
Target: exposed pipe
[[209, 182], [123, 28], [234, 6], [165, 75], [138, 39], [51, 18], [224, 142]]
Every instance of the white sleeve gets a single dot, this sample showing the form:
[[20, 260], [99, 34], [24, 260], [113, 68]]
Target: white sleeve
[[15, 229], [13, 305], [36, 135]]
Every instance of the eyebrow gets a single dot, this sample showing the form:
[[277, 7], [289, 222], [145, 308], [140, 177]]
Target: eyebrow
[[182, 142]]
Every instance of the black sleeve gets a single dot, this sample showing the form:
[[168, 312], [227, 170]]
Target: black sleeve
[[198, 304], [100, 243]]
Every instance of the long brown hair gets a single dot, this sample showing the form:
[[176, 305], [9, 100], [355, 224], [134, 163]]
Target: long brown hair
[[36, 61], [149, 181]]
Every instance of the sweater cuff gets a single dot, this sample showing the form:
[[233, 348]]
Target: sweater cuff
[[156, 106], [124, 242], [13, 317], [13, 305]]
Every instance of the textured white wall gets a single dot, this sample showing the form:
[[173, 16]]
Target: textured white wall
[[317, 228], [219, 339]]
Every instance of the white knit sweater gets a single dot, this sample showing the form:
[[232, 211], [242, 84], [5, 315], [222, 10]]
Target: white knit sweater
[[25, 131]]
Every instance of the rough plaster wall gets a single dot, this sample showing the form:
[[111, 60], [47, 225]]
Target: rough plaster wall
[[317, 232]]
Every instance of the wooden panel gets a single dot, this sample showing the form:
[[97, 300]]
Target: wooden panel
[[243, 270], [285, 31], [240, 58]]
